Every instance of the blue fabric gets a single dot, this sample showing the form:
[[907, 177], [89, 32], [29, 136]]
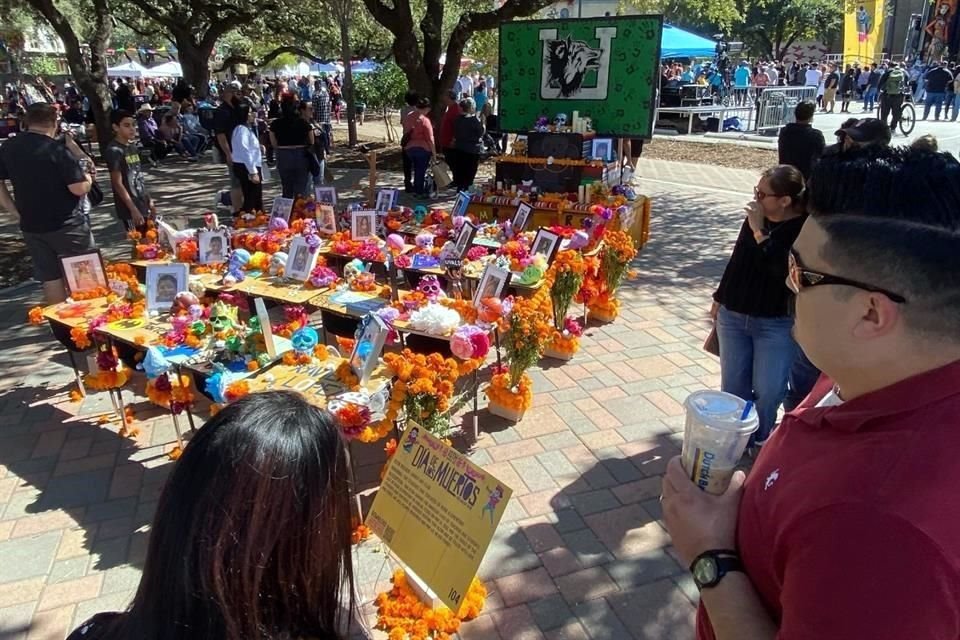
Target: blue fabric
[[741, 76], [870, 98], [677, 43], [933, 100], [803, 375], [420, 159], [956, 107], [756, 355]]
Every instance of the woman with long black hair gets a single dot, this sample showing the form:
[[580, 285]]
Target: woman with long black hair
[[252, 534], [292, 137]]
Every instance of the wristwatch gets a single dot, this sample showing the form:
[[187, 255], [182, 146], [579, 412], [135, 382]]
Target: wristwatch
[[709, 567]]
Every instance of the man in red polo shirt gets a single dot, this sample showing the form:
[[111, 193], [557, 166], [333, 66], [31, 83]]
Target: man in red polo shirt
[[848, 526]]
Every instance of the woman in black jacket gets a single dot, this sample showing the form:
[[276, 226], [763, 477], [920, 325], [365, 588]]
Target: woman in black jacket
[[752, 304], [467, 132], [848, 84]]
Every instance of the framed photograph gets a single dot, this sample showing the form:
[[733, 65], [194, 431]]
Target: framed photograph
[[164, 282], [213, 246], [521, 217], [363, 224], [282, 208], [467, 233], [387, 199], [461, 204], [326, 195], [546, 244], [372, 334], [601, 148], [492, 284], [300, 260], [84, 272], [264, 317], [326, 218]]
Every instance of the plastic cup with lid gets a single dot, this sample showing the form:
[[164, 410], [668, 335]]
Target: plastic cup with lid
[[716, 433]]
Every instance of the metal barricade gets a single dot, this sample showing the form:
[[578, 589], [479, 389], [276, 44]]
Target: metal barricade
[[775, 105]]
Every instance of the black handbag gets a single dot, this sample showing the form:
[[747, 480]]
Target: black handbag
[[313, 163], [95, 195]]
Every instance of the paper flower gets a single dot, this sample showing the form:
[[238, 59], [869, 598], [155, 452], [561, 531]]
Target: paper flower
[[435, 319], [470, 341]]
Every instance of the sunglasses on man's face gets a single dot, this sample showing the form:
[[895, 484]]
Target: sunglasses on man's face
[[799, 277]]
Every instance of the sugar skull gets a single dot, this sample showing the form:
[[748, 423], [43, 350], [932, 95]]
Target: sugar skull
[[238, 259], [277, 224], [352, 269], [560, 120], [304, 340], [395, 241], [223, 317], [424, 240], [430, 287], [420, 213], [278, 262]]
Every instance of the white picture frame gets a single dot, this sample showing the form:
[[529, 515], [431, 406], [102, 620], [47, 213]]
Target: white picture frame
[[546, 244], [465, 238], [300, 260], [364, 359], [282, 208], [387, 199], [461, 204], [363, 224], [492, 284], [84, 272], [164, 282], [213, 246], [326, 195], [601, 148], [521, 217], [326, 218], [265, 327]]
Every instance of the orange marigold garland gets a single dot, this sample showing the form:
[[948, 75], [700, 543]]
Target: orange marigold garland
[[81, 337], [402, 615], [35, 315]]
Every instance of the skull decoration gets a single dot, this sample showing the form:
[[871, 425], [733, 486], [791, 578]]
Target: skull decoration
[[560, 120], [304, 340], [223, 317], [352, 269], [238, 259], [419, 214], [278, 262], [430, 287], [424, 240]]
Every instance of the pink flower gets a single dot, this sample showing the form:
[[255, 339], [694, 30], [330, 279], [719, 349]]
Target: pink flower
[[477, 252]]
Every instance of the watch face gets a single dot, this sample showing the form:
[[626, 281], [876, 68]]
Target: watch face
[[705, 570]]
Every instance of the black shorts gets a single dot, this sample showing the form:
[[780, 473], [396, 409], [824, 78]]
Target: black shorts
[[47, 248], [636, 147]]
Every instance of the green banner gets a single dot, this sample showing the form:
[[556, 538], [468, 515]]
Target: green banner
[[604, 68]]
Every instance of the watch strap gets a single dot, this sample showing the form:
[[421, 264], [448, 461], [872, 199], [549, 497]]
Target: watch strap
[[725, 560]]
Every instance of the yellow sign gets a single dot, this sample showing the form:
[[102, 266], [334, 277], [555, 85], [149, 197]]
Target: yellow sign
[[127, 325], [437, 511], [863, 31]]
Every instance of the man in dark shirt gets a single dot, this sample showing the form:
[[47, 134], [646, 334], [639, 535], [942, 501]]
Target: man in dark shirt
[[223, 122], [872, 89], [75, 114], [51, 187], [935, 82], [799, 143], [131, 199]]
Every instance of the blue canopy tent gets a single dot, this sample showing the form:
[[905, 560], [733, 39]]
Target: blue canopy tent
[[677, 43], [364, 66]]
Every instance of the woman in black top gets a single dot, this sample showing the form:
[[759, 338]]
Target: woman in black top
[[291, 136], [467, 132], [251, 538], [752, 305], [847, 85]]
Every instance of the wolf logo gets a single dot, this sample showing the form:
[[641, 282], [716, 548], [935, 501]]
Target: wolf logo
[[569, 60], [566, 63]]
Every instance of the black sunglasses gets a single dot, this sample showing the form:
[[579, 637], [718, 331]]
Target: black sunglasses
[[799, 277]]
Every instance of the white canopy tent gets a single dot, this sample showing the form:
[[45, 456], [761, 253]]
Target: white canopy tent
[[128, 70], [170, 69]]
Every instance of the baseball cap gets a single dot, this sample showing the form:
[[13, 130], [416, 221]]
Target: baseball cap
[[868, 131], [234, 85]]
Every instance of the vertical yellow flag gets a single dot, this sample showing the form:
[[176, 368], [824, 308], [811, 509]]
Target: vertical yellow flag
[[863, 31]]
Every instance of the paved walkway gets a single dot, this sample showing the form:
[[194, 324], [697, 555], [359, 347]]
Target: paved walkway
[[581, 552]]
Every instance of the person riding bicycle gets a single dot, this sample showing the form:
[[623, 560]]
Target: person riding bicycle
[[894, 84]]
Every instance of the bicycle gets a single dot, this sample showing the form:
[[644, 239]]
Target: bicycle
[[908, 115]]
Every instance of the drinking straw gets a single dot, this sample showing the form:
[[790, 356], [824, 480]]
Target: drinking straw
[[746, 410]]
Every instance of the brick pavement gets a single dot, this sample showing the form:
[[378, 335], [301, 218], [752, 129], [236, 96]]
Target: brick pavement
[[581, 551]]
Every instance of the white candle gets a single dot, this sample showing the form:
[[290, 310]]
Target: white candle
[[581, 193], [499, 185]]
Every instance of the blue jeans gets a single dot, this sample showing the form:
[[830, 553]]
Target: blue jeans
[[755, 359], [933, 100], [803, 375], [869, 99], [420, 159], [956, 107]]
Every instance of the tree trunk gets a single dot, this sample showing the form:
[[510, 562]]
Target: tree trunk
[[345, 53], [195, 62]]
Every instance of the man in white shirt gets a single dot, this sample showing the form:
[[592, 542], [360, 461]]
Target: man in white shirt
[[812, 78], [466, 86], [772, 74]]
